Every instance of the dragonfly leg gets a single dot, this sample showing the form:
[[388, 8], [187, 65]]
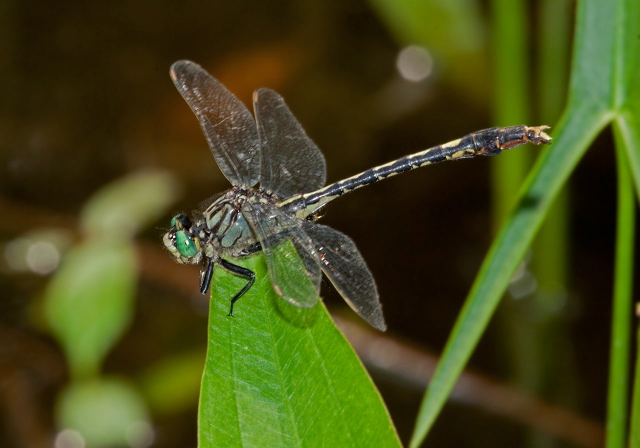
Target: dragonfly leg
[[257, 247], [205, 276], [243, 272]]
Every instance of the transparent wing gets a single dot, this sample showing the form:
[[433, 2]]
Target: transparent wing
[[344, 266], [291, 163], [292, 260], [227, 124]]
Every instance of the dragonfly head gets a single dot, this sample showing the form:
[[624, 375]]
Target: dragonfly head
[[182, 242]]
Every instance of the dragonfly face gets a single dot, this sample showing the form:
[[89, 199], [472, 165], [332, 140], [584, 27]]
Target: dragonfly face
[[182, 242], [278, 177]]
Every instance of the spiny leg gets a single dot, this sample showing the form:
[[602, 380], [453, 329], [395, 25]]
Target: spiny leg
[[243, 272], [206, 273]]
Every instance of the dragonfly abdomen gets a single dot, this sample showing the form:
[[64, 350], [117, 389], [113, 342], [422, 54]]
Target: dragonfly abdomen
[[487, 142]]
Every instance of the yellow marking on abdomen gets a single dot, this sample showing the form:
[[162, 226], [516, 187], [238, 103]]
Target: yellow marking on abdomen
[[452, 143]]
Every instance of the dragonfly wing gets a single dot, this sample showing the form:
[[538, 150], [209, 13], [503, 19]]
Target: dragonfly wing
[[343, 264], [292, 260], [229, 127], [291, 163]]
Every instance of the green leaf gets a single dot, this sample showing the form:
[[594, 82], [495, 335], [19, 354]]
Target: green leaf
[[591, 98], [627, 123], [620, 351], [277, 375], [104, 413], [634, 420], [173, 384], [405, 18], [89, 302], [124, 207], [451, 30], [626, 127]]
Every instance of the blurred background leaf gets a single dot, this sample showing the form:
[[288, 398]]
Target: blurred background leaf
[[123, 208], [103, 413], [90, 302]]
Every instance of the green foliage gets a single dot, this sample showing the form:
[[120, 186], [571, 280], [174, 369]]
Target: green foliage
[[123, 208], [603, 90], [106, 413], [256, 373], [89, 303], [173, 384], [452, 30], [277, 375]]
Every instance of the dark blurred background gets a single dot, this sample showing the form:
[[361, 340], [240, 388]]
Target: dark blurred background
[[85, 98]]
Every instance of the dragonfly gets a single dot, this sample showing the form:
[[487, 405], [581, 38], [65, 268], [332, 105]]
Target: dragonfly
[[278, 177]]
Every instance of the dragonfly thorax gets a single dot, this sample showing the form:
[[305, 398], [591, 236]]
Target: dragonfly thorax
[[220, 230], [229, 231]]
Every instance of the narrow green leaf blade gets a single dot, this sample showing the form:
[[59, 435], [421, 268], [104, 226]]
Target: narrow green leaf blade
[[628, 120], [620, 348], [634, 420], [589, 110], [506, 253], [277, 375], [622, 419]]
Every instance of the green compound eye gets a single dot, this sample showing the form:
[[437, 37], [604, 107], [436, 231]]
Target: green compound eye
[[186, 246], [181, 221]]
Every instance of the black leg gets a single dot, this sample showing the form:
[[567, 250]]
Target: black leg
[[256, 247], [205, 276], [243, 272]]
